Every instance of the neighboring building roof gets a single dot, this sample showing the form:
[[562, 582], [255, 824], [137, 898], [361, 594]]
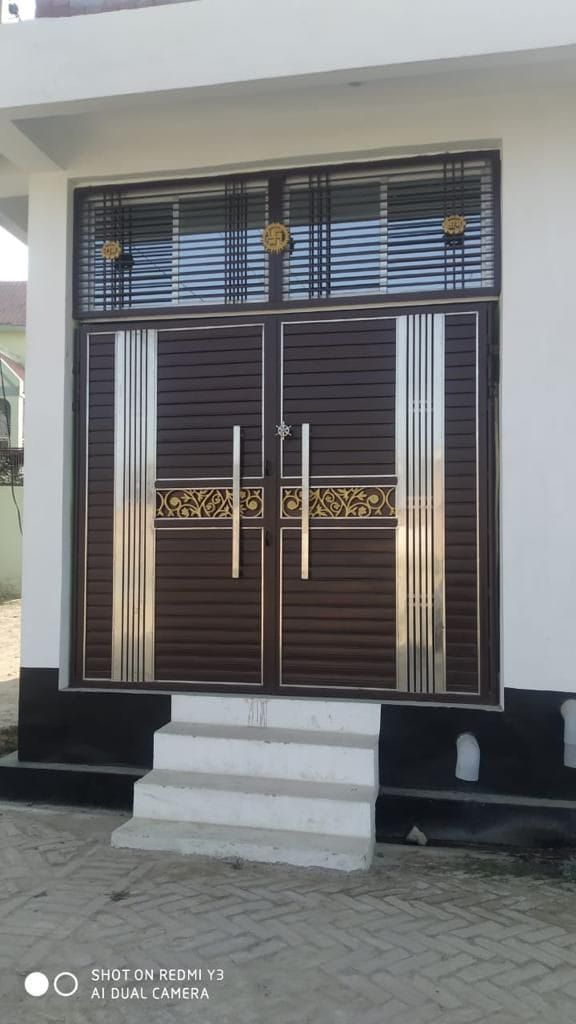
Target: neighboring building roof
[[12, 303], [16, 368], [65, 8]]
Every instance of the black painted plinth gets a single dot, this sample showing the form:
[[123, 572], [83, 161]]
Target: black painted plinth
[[88, 748], [80, 748], [86, 727], [524, 796], [450, 819], [78, 785], [521, 747]]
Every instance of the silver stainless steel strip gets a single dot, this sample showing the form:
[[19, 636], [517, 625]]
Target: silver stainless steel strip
[[150, 415], [401, 503], [438, 505], [414, 327], [427, 425], [236, 455], [119, 505], [305, 525], [420, 617], [133, 593]]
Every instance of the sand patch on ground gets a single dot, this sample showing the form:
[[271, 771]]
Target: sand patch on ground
[[9, 662]]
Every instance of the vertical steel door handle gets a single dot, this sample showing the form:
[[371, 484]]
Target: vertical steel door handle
[[305, 548], [236, 454]]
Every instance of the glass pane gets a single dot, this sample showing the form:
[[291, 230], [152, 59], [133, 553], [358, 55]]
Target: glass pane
[[383, 231], [220, 256], [203, 248], [419, 256], [337, 240], [142, 276], [149, 229]]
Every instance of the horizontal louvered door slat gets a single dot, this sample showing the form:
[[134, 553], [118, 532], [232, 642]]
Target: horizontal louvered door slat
[[339, 627], [95, 641], [215, 384], [208, 625], [461, 505], [348, 402]]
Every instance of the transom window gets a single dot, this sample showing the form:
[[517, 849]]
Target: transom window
[[421, 226]]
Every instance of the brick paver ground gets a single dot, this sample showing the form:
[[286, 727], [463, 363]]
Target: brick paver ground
[[427, 936]]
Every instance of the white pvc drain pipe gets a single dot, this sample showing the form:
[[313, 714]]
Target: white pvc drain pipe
[[468, 757], [568, 711]]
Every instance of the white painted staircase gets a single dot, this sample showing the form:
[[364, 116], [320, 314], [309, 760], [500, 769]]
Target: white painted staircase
[[272, 780]]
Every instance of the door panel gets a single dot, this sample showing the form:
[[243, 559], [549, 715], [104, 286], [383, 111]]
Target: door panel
[[340, 377], [95, 629], [209, 599], [339, 627], [461, 504], [208, 625], [209, 380]]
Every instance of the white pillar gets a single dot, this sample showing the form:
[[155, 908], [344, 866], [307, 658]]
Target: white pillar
[[538, 410], [48, 468]]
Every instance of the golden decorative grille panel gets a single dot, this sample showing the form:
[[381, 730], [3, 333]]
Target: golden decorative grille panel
[[355, 502], [207, 503]]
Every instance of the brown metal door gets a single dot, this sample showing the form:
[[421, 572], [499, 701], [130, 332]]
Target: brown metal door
[[337, 625], [289, 505], [387, 530], [210, 469]]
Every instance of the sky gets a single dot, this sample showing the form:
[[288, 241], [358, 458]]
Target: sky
[[13, 258], [26, 8]]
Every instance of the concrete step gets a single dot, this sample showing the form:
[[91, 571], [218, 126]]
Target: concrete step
[[272, 780], [278, 713], [292, 805], [226, 842], [267, 752]]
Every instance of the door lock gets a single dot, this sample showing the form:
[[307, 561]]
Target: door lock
[[283, 430]]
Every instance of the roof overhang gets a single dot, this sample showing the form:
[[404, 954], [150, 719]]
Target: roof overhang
[[81, 95]]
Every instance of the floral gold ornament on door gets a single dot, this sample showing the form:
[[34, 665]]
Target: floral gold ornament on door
[[454, 225], [111, 251], [276, 238]]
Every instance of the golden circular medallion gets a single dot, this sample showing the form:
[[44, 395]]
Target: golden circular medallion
[[275, 238], [111, 250], [455, 224]]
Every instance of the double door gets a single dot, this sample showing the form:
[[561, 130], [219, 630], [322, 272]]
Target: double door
[[288, 505]]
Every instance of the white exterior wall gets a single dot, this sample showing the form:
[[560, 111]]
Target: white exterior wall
[[538, 405], [536, 130], [48, 496]]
